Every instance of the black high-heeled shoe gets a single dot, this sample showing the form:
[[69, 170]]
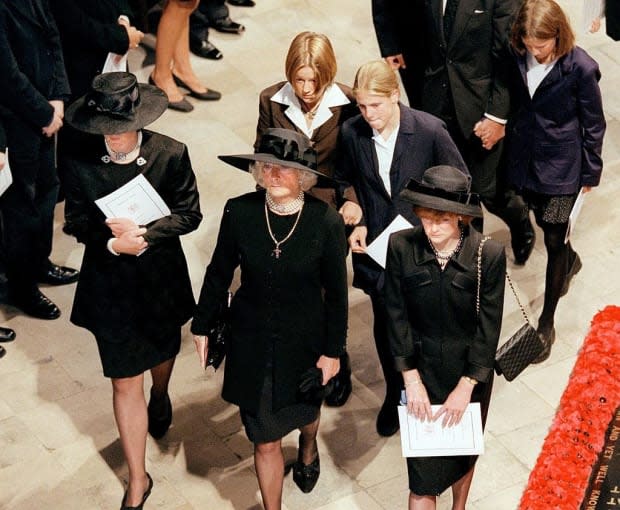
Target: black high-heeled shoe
[[145, 496], [160, 416], [208, 95], [548, 340], [181, 106], [305, 476]]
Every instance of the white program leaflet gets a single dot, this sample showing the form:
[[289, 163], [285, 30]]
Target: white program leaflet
[[574, 214], [430, 439], [136, 200], [115, 63], [378, 248], [6, 177]]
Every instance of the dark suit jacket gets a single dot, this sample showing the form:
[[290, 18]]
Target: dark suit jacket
[[153, 291], [422, 142], [433, 324], [555, 138], [89, 30], [31, 64], [612, 19]]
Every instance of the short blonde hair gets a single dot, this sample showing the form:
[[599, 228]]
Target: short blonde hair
[[314, 51], [542, 19], [377, 78], [307, 179]]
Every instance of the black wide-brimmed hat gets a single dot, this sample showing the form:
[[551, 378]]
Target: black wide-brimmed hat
[[444, 188], [116, 103], [283, 147]]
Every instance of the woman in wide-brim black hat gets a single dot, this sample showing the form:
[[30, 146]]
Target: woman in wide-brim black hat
[[289, 316], [134, 291], [442, 337]]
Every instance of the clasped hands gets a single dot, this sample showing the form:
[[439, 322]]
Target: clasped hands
[[489, 132], [419, 405], [129, 236]]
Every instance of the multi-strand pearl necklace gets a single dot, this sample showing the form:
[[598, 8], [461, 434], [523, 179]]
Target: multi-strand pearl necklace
[[443, 256], [294, 206]]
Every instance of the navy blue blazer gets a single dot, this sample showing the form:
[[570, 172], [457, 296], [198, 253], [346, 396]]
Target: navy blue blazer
[[422, 142], [555, 138]]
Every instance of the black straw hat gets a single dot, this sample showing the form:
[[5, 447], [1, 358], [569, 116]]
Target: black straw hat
[[444, 188], [116, 103], [283, 147]]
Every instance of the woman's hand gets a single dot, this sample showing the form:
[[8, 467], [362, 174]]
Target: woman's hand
[[595, 25], [119, 226], [418, 403], [351, 213], [357, 239], [329, 366], [2, 160], [131, 242], [456, 403], [489, 132], [201, 342]]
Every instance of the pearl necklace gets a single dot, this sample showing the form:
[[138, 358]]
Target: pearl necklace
[[444, 256], [124, 156], [277, 251], [289, 208]]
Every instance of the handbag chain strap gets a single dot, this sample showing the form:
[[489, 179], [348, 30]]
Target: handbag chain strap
[[484, 240]]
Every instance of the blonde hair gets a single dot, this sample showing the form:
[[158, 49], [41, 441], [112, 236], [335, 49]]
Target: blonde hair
[[313, 50], [307, 179], [376, 78], [542, 19]]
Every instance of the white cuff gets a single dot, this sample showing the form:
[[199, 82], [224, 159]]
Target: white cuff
[[496, 119], [109, 246]]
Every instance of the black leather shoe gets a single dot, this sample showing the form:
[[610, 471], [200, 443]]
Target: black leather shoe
[[7, 335], [37, 305], [242, 3], [2, 351], [205, 49], [181, 106], [146, 495], [160, 416], [209, 95], [548, 339], [228, 26], [523, 242], [59, 275], [305, 476], [575, 267], [387, 419], [341, 386]]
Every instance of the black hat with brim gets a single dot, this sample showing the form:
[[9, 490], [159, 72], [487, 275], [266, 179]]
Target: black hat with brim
[[283, 147], [116, 103], [444, 188]]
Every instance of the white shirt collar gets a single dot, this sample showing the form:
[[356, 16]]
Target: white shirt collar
[[333, 96]]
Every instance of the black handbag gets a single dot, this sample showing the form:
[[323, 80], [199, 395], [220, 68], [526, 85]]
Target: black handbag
[[219, 335], [523, 346]]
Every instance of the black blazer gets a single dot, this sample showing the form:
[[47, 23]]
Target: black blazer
[[32, 71], [422, 142], [433, 324], [89, 30], [612, 19]]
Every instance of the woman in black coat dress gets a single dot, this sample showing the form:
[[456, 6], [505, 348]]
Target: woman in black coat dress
[[443, 346], [134, 291], [289, 317]]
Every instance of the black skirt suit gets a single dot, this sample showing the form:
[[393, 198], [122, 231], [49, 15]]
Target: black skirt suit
[[134, 306], [288, 311], [433, 328]]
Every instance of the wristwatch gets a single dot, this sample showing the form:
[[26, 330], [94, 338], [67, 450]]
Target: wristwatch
[[470, 380]]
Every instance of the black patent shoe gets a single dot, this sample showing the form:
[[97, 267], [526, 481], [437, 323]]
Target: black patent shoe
[[36, 304], [228, 26], [146, 495], [242, 3], [2, 351], [206, 49], [575, 267], [523, 242], [387, 419], [341, 386], [59, 275], [208, 95], [160, 416], [182, 105], [547, 339], [305, 476], [6, 334]]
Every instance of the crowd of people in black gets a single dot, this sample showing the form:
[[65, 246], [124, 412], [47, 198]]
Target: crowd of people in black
[[504, 111]]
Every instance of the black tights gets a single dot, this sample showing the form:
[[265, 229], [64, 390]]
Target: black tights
[[559, 256]]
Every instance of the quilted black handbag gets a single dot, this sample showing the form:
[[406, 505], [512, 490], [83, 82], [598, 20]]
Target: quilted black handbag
[[523, 346], [219, 335]]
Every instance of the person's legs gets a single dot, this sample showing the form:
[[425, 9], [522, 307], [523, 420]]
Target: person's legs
[[269, 463], [131, 420], [160, 408], [460, 490], [308, 449], [307, 468], [421, 502]]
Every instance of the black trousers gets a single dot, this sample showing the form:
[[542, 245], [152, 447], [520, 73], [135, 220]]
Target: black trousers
[[27, 206], [208, 12]]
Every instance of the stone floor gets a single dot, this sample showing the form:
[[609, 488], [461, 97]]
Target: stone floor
[[58, 442]]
